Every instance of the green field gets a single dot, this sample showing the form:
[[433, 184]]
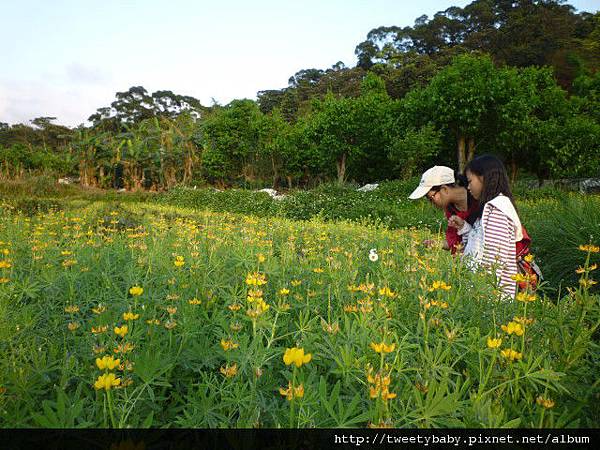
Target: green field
[[211, 302]]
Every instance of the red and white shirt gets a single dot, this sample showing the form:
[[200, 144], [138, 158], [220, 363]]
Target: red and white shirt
[[490, 242]]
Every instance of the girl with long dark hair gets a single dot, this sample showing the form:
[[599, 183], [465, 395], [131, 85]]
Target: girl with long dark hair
[[491, 240]]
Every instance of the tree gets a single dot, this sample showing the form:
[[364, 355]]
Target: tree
[[464, 100]]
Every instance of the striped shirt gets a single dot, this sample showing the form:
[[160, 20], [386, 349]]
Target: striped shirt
[[490, 242]]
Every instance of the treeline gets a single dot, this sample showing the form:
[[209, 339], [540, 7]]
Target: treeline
[[519, 79]]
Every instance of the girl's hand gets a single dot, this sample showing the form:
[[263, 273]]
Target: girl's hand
[[455, 222]]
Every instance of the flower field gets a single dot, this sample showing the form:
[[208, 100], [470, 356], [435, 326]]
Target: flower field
[[138, 315]]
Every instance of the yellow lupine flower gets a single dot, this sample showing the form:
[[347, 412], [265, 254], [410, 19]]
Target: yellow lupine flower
[[228, 345], [494, 342], [525, 297], [121, 331], [587, 283], [72, 326], [589, 248], [136, 291], [99, 310], [528, 258], [194, 301], [284, 291], [72, 309], [513, 327], [545, 402], [99, 329], [439, 285], [179, 261], [382, 347], [107, 381], [256, 279], [107, 362], [5, 264], [511, 354], [130, 316], [387, 292], [229, 371], [292, 391], [296, 355]]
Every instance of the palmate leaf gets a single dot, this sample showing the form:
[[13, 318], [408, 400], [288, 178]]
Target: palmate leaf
[[342, 414], [64, 412]]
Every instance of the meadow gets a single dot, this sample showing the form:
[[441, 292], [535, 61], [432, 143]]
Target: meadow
[[117, 313]]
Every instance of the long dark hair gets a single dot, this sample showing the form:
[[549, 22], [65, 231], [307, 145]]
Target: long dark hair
[[495, 179]]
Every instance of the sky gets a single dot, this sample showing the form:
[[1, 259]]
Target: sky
[[65, 59]]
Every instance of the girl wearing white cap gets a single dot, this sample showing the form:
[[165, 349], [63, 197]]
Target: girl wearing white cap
[[448, 191]]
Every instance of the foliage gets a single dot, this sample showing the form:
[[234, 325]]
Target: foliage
[[405, 339]]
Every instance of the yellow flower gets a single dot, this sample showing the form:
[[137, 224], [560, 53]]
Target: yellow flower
[[511, 354], [589, 248], [387, 292], [382, 347], [130, 316], [228, 345], [99, 310], [284, 291], [99, 329], [170, 324], [318, 270], [296, 283], [107, 362], [72, 309], [234, 307], [153, 322], [439, 285], [256, 279], [69, 262], [545, 402], [525, 297], [513, 327], [179, 261], [107, 381], [5, 264], [261, 258], [296, 355], [66, 253], [72, 326], [136, 291], [587, 283], [292, 392], [171, 310], [121, 331], [229, 371], [124, 348], [4, 280], [494, 342], [523, 320], [528, 258]]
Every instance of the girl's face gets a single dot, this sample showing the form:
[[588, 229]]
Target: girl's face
[[475, 184]]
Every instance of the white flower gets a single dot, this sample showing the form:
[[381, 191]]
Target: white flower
[[373, 256]]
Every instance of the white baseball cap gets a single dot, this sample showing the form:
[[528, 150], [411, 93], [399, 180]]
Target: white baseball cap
[[436, 176]]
